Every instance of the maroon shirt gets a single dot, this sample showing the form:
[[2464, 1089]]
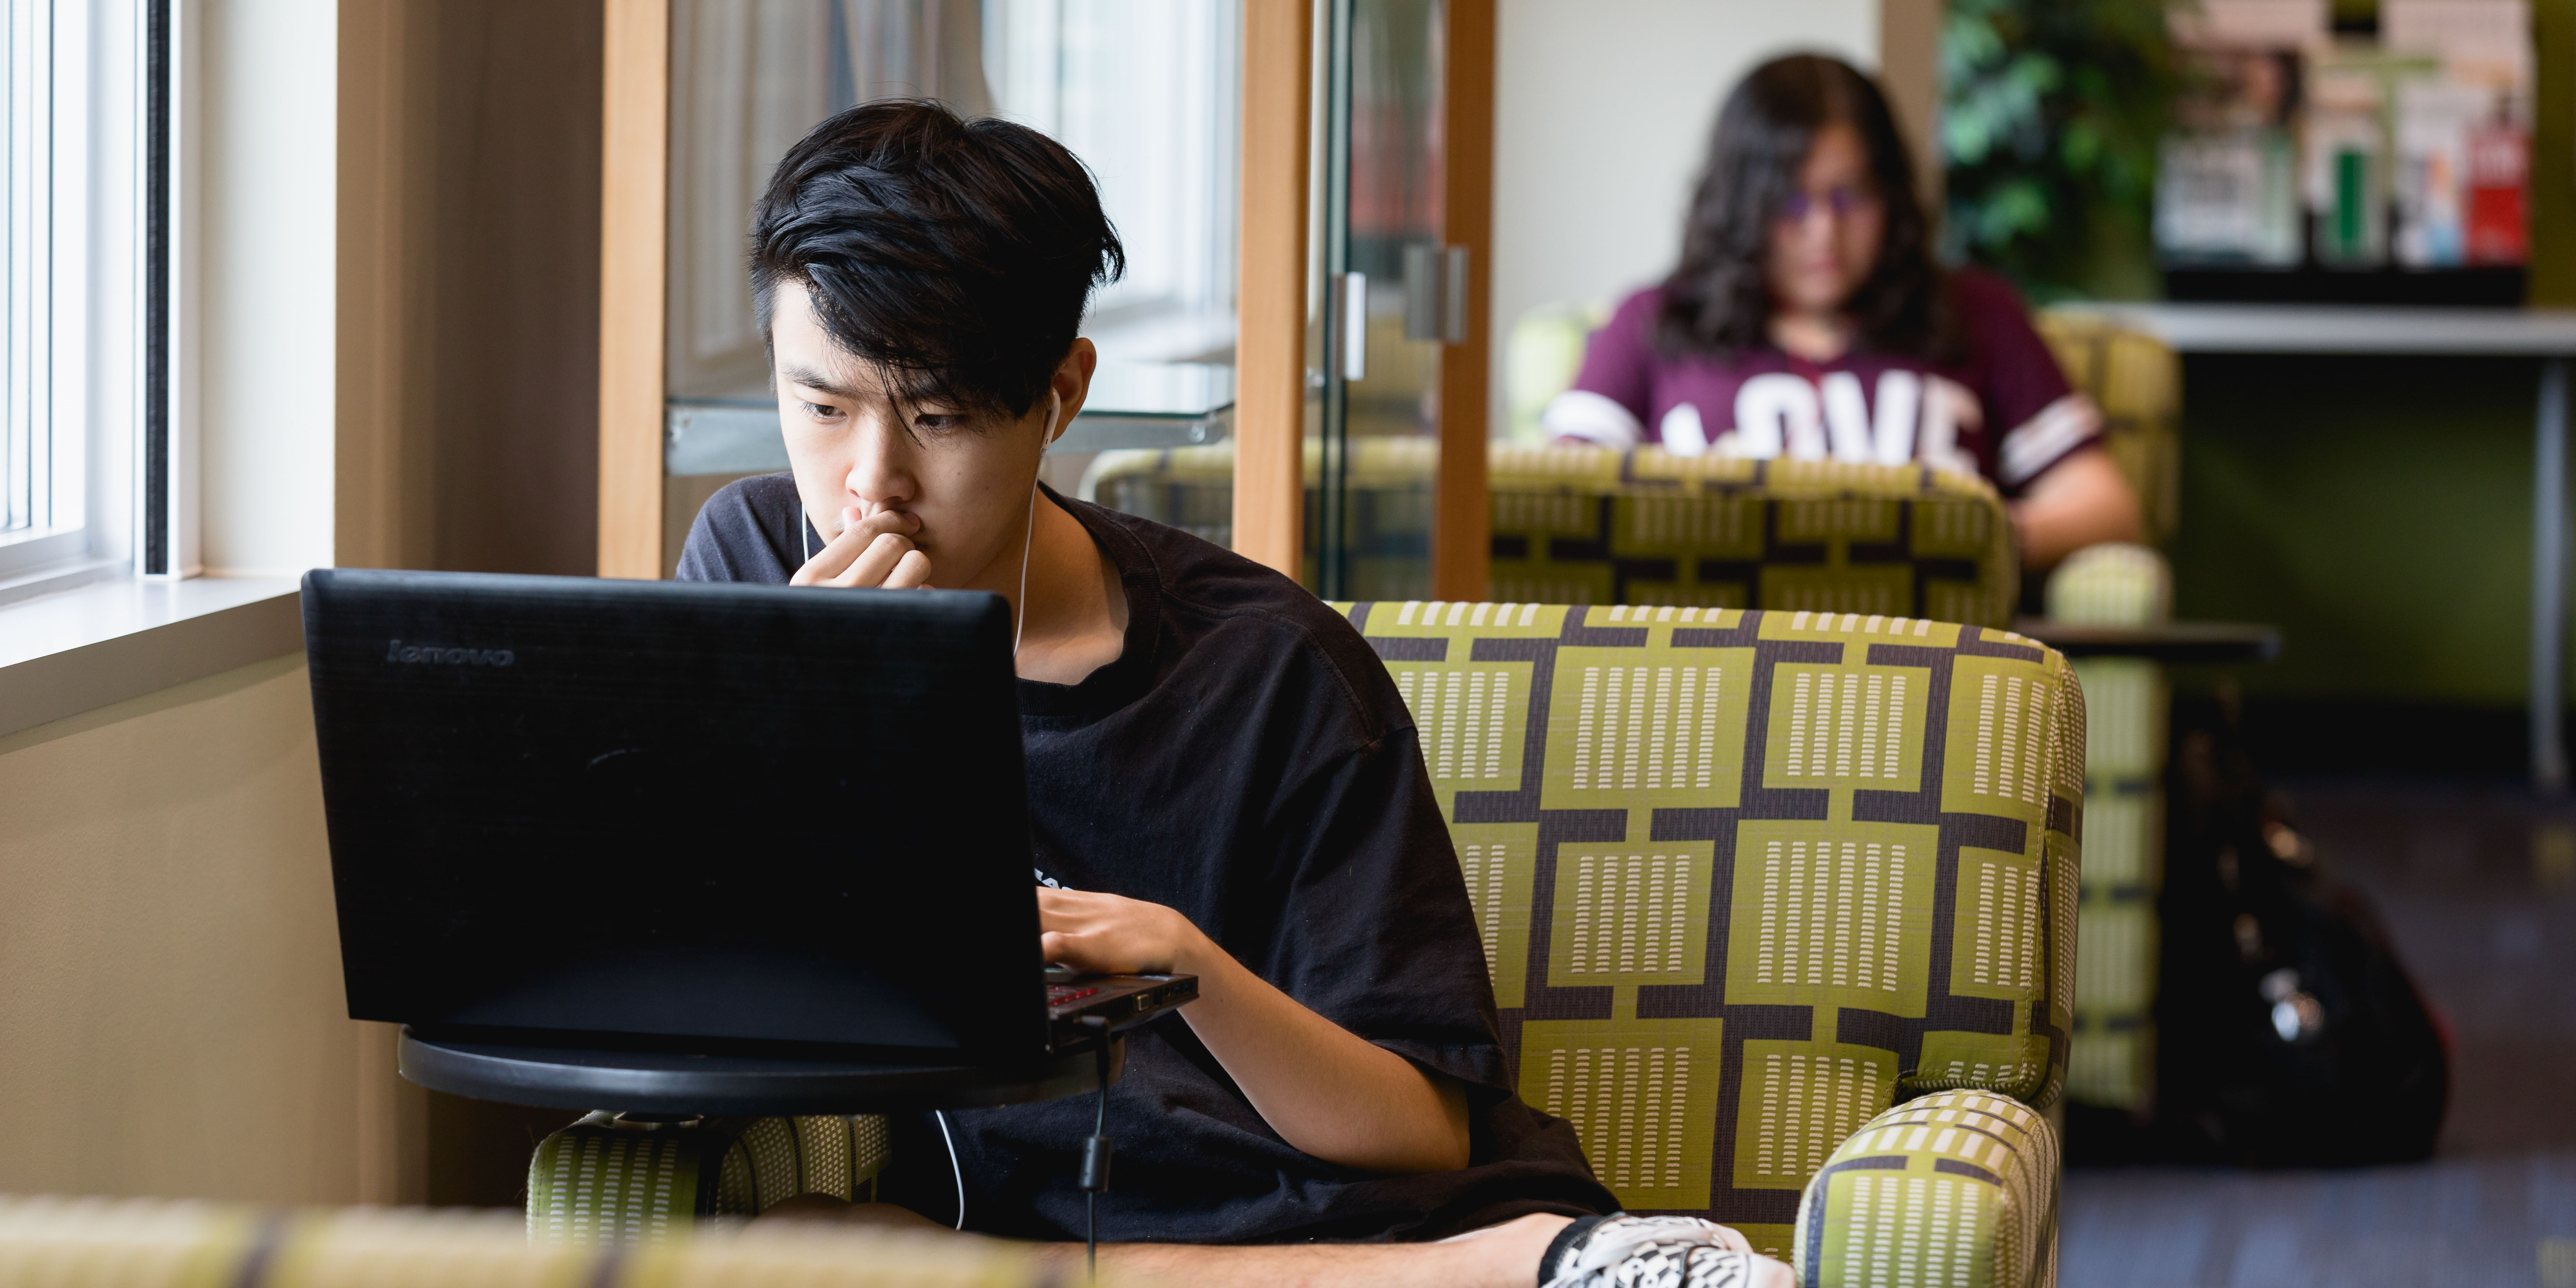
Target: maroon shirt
[[2004, 411]]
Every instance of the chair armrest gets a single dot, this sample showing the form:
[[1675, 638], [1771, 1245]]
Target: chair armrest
[[1956, 1187], [2116, 583]]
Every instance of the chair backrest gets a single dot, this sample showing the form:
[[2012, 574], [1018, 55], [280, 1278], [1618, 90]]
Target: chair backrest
[[2137, 381], [1745, 878], [1580, 526], [1192, 488]]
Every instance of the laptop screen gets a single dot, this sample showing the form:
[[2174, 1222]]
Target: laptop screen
[[677, 812]]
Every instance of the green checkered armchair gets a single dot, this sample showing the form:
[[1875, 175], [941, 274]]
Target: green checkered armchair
[[1586, 526], [1779, 908]]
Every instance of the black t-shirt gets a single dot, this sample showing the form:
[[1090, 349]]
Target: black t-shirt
[[1247, 761]]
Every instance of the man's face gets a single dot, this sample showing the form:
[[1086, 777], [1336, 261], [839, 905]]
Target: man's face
[[965, 477]]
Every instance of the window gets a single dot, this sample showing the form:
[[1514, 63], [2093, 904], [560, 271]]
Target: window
[[1147, 93], [1144, 91], [68, 72]]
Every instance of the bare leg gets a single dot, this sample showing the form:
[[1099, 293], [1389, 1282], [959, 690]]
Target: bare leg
[[1502, 1256], [1505, 1256], [824, 1207]]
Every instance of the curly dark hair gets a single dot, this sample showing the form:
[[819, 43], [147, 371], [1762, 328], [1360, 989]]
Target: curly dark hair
[[954, 256], [1719, 299]]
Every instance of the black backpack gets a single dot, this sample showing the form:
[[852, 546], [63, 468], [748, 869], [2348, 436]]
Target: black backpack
[[2288, 1032]]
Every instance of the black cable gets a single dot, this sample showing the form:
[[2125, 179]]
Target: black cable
[[1095, 1151]]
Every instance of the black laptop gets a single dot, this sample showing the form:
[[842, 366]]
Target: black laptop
[[689, 817]]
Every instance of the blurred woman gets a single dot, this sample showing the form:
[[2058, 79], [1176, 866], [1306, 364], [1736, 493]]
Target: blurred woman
[[1808, 320]]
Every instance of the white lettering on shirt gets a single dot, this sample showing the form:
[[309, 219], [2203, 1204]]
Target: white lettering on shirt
[[1776, 411], [1846, 416], [1915, 416], [1682, 432], [1948, 407], [1900, 404]]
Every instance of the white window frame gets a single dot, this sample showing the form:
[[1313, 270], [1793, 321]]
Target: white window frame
[[71, 348]]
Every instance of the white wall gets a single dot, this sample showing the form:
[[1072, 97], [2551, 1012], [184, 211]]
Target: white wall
[[1603, 113], [269, 110]]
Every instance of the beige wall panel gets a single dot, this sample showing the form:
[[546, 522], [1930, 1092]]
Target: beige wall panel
[[468, 373], [1909, 69], [171, 1016], [511, 281]]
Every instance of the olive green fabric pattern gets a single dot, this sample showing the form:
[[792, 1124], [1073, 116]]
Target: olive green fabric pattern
[[175, 1243], [1742, 878], [1957, 1190], [605, 1179], [1386, 523], [2137, 382], [2113, 1061], [1587, 526]]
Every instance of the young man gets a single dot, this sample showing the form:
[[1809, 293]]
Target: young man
[[1222, 778]]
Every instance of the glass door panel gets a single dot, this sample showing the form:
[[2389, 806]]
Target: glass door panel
[[1375, 448], [1146, 92]]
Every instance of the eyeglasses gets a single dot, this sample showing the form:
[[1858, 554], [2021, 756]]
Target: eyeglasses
[[1844, 202]]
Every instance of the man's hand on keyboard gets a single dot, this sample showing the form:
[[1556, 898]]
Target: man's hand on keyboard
[[1110, 935]]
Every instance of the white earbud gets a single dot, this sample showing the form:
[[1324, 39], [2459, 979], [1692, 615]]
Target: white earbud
[[1028, 535]]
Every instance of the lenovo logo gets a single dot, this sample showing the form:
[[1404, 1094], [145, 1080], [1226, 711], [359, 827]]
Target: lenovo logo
[[437, 654]]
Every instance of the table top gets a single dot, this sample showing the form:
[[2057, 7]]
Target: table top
[[2348, 328], [652, 1082], [2161, 642]]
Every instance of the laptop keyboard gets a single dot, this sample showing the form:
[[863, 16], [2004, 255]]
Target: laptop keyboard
[[1059, 994]]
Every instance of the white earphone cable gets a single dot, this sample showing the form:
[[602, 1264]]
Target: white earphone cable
[[1028, 539], [953, 1168], [1029, 535]]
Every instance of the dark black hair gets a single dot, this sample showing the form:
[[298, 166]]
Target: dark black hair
[[1719, 299], [954, 256]]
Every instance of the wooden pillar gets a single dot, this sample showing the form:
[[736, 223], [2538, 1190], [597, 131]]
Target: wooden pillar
[[1270, 296], [1909, 70], [634, 161], [1462, 506]]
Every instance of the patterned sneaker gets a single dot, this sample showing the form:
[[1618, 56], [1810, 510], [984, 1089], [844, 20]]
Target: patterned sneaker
[[1655, 1252]]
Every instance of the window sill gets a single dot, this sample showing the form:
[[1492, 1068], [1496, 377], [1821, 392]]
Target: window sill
[[81, 649]]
